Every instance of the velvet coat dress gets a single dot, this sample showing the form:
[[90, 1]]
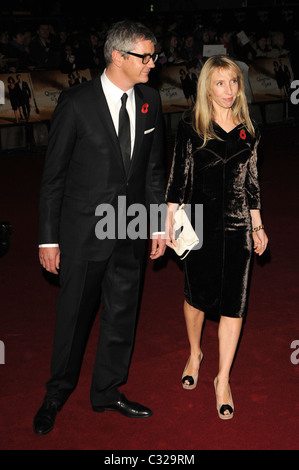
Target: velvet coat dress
[[223, 177]]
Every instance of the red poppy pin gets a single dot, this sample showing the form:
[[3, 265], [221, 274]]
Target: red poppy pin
[[144, 108], [242, 134]]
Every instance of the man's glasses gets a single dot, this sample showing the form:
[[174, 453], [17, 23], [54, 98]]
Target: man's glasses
[[145, 57]]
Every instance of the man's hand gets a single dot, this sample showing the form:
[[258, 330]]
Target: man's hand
[[158, 246], [49, 258]]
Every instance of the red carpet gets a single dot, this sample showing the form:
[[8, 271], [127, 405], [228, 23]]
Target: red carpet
[[264, 381]]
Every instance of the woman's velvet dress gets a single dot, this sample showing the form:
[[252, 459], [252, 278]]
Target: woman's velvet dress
[[223, 177]]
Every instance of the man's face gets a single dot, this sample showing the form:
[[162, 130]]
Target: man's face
[[44, 31], [134, 71], [19, 38]]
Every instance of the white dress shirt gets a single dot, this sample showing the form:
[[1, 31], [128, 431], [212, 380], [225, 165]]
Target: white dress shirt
[[113, 96]]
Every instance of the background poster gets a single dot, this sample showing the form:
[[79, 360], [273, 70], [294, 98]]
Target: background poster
[[177, 88], [270, 79], [17, 91], [47, 86], [31, 97]]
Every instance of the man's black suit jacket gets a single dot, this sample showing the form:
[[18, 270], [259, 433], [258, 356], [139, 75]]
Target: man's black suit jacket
[[84, 167]]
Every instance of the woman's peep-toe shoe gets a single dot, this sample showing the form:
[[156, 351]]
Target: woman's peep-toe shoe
[[222, 409], [189, 378]]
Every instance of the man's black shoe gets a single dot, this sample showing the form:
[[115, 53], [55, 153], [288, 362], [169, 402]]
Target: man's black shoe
[[125, 407], [44, 419]]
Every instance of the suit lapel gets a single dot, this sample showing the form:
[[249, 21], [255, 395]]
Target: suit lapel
[[106, 120], [140, 123]]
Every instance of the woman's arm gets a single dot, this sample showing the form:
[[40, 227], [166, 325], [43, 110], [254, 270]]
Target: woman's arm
[[260, 239]]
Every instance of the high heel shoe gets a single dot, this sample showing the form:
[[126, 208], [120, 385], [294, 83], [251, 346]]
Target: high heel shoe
[[227, 407], [192, 380]]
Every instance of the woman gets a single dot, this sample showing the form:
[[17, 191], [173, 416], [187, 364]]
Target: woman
[[171, 48], [15, 98], [215, 157]]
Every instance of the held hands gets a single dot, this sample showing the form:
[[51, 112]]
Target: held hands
[[49, 258]]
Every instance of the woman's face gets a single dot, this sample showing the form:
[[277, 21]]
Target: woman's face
[[224, 87], [262, 43]]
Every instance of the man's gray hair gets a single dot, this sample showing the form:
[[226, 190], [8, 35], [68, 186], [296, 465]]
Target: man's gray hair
[[122, 36]]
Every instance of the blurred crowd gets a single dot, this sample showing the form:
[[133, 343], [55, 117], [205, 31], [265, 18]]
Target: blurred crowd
[[52, 47]]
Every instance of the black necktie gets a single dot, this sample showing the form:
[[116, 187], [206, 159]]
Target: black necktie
[[124, 135]]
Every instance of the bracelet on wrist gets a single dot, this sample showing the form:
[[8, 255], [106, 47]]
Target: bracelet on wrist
[[256, 229]]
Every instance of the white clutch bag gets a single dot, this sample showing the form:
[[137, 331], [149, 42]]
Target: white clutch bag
[[187, 239]]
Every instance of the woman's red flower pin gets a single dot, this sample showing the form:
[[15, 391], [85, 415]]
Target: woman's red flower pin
[[242, 134], [144, 108]]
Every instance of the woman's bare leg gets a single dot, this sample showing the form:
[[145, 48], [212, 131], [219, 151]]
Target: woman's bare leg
[[194, 319], [228, 334]]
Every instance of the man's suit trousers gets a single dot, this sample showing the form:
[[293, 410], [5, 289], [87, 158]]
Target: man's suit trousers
[[115, 284]]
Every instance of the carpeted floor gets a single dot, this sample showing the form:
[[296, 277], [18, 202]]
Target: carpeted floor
[[264, 380]]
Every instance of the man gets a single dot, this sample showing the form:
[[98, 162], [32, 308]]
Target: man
[[44, 52], [16, 50], [85, 172]]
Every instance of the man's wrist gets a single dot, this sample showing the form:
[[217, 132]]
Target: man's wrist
[[48, 245]]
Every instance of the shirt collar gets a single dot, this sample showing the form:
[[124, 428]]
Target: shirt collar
[[114, 92]]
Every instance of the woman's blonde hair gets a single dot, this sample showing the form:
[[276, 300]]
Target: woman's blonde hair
[[203, 108]]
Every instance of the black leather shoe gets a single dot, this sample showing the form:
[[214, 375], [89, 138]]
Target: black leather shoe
[[44, 419], [125, 407]]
